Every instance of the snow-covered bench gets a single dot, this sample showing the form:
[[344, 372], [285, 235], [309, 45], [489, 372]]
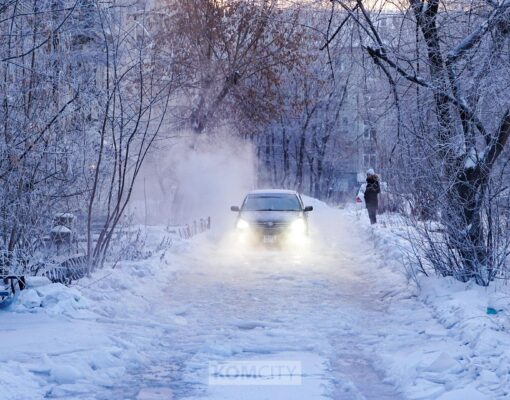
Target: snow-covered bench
[[9, 285]]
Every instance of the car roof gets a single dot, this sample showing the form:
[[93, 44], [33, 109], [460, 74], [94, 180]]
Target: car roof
[[273, 191]]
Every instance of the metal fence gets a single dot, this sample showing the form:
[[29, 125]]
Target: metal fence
[[194, 228]]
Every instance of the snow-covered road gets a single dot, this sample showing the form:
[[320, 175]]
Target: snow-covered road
[[150, 329], [312, 307], [321, 306]]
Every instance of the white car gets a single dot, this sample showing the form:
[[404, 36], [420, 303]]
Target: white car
[[272, 217]]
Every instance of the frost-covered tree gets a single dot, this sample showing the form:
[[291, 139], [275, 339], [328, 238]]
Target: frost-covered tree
[[43, 87], [447, 67], [311, 136], [81, 103], [296, 144], [132, 100], [229, 53]]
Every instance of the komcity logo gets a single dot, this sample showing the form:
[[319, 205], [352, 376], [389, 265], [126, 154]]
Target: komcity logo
[[256, 372]]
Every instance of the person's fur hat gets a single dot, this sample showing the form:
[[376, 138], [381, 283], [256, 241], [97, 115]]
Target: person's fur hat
[[370, 172]]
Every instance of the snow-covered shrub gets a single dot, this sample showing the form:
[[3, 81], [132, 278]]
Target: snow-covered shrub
[[129, 245]]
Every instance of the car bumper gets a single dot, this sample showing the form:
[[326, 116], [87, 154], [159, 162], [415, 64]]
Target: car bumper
[[271, 237]]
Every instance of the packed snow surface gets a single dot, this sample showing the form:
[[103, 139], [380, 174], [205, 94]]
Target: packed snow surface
[[342, 307]]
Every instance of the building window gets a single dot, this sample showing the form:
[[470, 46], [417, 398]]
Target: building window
[[369, 160], [369, 133]]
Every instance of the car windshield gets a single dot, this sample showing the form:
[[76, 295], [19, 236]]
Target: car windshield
[[272, 202]]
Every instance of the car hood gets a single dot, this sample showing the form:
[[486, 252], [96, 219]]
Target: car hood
[[270, 216]]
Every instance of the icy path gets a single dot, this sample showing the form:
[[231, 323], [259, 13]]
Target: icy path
[[321, 307], [148, 330]]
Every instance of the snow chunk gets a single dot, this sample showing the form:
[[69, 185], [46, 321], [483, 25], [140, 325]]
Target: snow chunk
[[463, 394], [29, 299], [17, 382], [65, 374], [444, 362], [56, 299], [36, 281]]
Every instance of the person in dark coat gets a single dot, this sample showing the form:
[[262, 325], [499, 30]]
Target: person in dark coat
[[372, 190]]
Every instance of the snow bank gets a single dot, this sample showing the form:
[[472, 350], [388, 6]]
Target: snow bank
[[78, 342], [477, 365], [55, 299]]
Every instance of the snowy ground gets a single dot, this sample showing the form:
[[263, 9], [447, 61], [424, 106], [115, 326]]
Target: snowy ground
[[343, 309]]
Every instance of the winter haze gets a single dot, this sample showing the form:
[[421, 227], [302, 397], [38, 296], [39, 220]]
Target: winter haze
[[254, 199]]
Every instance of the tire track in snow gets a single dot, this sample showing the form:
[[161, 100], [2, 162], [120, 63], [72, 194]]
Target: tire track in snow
[[273, 303]]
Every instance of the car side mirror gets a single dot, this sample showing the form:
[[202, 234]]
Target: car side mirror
[[308, 208], [234, 208]]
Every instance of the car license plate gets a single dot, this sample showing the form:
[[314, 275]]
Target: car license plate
[[269, 239]]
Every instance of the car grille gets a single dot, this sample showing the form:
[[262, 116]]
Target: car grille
[[271, 225]]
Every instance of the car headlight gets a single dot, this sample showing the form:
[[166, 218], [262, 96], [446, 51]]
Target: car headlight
[[298, 226], [242, 224]]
